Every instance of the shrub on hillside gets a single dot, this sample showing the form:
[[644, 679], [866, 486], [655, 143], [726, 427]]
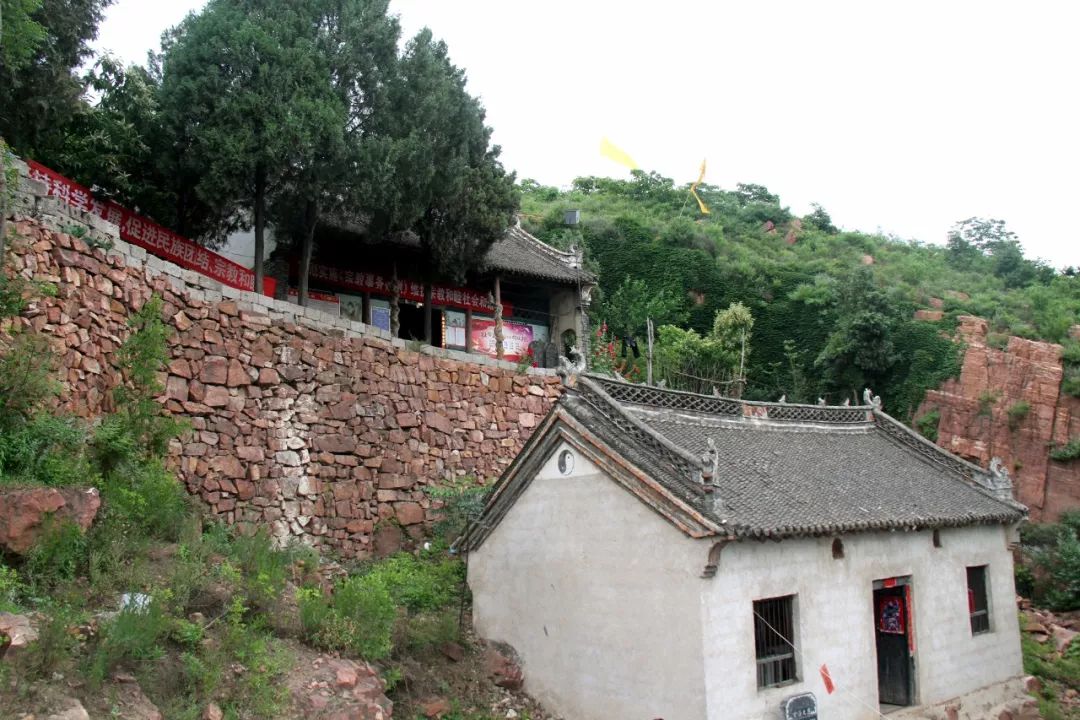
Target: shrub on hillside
[[1051, 558], [358, 617]]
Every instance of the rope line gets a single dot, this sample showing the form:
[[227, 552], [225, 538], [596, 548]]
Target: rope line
[[802, 659]]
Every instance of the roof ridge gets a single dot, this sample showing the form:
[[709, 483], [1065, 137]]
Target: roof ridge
[[638, 394], [982, 479], [615, 406]]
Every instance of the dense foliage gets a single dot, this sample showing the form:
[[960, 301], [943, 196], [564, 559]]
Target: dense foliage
[[260, 111], [832, 311]]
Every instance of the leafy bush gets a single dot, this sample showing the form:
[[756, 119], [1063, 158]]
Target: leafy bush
[[1017, 412], [264, 569], [59, 554], [46, 449], [148, 499], [987, 398], [27, 382], [55, 645], [259, 691], [1052, 553], [134, 636], [428, 630], [927, 425], [462, 502], [424, 583], [359, 616], [1067, 452], [11, 588]]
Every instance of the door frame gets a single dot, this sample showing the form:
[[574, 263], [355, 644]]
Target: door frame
[[906, 583]]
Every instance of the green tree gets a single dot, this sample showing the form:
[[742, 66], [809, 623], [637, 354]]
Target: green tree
[[20, 36], [634, 302], [342, 164], [444, 181], [860, 351], [38, 71], [732, 329], [820, 219], [246, 88]]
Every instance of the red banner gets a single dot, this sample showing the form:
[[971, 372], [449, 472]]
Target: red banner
[[441, 295], [147, 234]]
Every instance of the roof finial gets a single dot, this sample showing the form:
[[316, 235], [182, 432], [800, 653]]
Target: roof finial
[[710, 462], [998, 481], [869, 398]]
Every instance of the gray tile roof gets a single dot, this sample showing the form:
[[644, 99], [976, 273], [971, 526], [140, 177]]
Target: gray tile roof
[[517, 253], [520, 253], [781, 470]]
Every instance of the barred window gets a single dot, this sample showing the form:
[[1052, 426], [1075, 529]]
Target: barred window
[[978, 600], [774, 641]]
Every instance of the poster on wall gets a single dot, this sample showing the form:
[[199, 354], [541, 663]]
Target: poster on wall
[[327, 302], [891, 615], [454, 333], [380, 314], [352, 307], [516, 338]]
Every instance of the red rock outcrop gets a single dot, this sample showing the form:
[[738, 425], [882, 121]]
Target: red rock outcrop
[[308, 424], [26, 512], [976, 423]]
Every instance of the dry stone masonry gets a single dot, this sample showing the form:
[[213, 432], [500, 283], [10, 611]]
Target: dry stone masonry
[[314, 426]]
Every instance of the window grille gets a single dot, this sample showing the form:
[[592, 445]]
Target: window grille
[[774, 641], [978, 600]]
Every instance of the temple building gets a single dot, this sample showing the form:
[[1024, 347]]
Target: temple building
[[543, 291]]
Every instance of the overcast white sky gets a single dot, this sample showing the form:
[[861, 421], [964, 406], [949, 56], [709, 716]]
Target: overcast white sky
[[898, 117]]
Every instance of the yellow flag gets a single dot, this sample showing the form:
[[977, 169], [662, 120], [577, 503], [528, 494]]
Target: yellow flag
[[693, 190], [609, 150]]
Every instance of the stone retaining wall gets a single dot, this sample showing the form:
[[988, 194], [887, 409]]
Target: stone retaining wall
[[316, 426]]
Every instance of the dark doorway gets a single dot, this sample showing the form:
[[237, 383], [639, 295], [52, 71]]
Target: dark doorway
[[893, 636], [411, 318]]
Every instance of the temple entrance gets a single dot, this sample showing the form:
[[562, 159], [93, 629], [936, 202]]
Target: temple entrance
[[894, 639]]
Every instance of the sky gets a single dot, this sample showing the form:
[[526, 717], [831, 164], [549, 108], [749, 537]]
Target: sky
[[900, 118]]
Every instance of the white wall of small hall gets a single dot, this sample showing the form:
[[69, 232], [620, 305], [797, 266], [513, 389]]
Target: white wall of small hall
[[835, 616], [600, 596]]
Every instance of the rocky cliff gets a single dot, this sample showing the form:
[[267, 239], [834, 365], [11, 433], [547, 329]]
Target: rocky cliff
[[1008, 403]]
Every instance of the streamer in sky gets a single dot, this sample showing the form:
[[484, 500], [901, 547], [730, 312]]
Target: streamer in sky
[[693, 190], [616, 154]]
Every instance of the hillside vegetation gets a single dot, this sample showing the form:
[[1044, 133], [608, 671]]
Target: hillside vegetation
[[832, 312]]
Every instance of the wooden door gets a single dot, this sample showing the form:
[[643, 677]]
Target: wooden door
[[891, 628]]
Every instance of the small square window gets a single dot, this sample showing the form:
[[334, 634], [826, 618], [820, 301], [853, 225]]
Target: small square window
[[978, 599], [774, 641]]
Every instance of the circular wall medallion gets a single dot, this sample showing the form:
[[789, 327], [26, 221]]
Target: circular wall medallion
[[566, 462]]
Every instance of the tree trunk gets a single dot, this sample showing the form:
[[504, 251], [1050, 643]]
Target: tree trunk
[[395, 303], [427, 313], [260, 225], [311, 218]]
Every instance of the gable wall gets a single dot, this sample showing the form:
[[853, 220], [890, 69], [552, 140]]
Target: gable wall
[[598, 594], [834, 618]]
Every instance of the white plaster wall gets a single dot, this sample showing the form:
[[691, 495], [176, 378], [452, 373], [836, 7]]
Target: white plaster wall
[[599, 595], [240, 246], [834, 619], [565, 315]]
